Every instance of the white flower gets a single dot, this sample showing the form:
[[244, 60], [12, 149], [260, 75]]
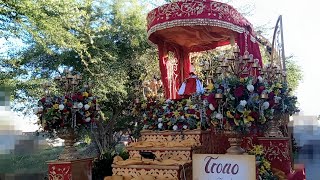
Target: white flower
[[211, 107], [86, 107], [185, 126], [36, 110], [265, 105], [144, 115], [182, 117], [260, 79], [40, 109], [277, 99], [145, 127], [159, 119], [88, 119], [186, 108], [243, 103], [175, 127], [250, 87], [219, 116], [80, 105], [61, 107], [160, 125]]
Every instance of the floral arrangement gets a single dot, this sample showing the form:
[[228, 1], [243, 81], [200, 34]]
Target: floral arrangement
[[170, 114], [264, 166], [281, 100], [74, 110], [238, 103]]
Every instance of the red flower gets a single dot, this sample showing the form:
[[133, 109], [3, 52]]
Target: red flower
[[80, 97], [271, 103], [271, 95], [43, 100], [237, 116], [74, 97], [208, 112], [191, 111], [69, 104], [260, 89], [198, 114], [239, 91], [212, 100], [169, 115], [254, 114], [224, 121], [181, 113]]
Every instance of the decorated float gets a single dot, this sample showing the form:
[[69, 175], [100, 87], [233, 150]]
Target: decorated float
[[243, 109]]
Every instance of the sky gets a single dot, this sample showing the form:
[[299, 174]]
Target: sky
[[301, 39]]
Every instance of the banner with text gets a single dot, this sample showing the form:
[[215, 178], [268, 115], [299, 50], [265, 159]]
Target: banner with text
[[223, 167]]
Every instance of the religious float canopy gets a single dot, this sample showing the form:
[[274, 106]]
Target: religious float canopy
[[186, 26]]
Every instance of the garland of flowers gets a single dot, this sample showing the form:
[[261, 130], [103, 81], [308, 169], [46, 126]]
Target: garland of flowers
[[264, 166], [160, 114]]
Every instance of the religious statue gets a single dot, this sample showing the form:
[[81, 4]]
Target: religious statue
[[191, 85]]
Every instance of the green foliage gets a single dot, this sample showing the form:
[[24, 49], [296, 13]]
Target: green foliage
[[28, 163]]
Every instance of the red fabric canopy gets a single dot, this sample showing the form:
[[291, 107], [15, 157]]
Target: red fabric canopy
[[192, 26]]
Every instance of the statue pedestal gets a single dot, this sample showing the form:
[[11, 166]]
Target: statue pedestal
[[80, 169]]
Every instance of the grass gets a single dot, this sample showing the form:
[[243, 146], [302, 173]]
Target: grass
[[29, 163]]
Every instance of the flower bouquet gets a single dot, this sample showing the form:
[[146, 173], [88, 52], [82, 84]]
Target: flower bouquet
[[238, 104], [66, 115], [282, 103], [75, 110]]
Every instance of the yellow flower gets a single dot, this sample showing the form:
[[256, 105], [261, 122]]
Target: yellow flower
[[262, 170], [85, 94], [176, 113], [65, 101], [257, 150], [187, 115], [162, 100], [266, 164], [248, 119], [242, 80], [246, 113], [88, 113], [210, 87], [276, 92], [89, 103], [169, 123], [279, 85], [229, 115], [56, 106], [189, 102], [144, 105]]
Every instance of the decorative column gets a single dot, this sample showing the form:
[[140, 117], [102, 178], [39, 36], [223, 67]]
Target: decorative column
[[277, 152], [68, 170]]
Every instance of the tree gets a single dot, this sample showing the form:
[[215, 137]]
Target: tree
[[105, 42]]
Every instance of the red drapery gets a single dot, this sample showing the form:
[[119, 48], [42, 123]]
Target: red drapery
[[192, 26]]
